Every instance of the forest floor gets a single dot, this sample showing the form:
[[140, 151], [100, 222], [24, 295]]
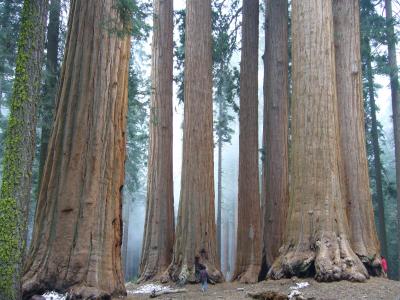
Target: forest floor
[[374, 289]]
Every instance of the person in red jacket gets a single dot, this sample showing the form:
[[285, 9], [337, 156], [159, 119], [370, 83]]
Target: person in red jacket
[[384, 266]]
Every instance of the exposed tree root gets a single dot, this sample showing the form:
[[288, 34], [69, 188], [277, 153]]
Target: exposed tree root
[[184, 274], [91, 293], [249, 276], [332, 260]]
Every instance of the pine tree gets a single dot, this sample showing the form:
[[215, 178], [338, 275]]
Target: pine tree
[[78, 226], [20, 147]]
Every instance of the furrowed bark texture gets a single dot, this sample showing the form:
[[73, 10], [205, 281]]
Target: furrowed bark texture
[[317, 236], [19, 148], [248, 257], [195, 232], [394, 85], [76, 243], [363, 236], [158, 239], [275, 133]]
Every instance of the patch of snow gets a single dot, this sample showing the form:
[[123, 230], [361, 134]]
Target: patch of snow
[[54, 296], [149, 288], [300, 285], [293, 294]]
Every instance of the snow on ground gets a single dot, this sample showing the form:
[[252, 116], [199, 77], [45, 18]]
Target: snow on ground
[[54, 296], [149, 288]]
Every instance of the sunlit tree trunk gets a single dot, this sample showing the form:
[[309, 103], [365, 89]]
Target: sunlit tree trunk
[[364, 239], [76, 244], [19, 148], [275, 132], [158, 238], [394, 85], [317, 240], [248, 255], [196, 230]]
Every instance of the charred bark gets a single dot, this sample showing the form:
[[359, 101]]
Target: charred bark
[[76, 243]]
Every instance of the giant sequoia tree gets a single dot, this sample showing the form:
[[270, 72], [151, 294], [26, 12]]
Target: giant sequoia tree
[[248, 257], [275, 180], [77, 236], [20, 147], [195, 233], [158, 239], [317, 237], [356, 191]]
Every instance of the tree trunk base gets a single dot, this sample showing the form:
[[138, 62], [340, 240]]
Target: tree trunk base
[[184, 275], [248, 276], [373, 265], [162, 277], [333, 260], [92, 293]]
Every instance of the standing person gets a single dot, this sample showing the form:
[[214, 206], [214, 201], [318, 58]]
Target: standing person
[[384, 266], [203, 278]]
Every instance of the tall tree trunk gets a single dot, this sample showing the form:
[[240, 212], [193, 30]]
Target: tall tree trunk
[[317, 236], [219, 188], [20, 148], [48, 99], [158, 238], [275, 133], [195, 233], [76, 244], [394, 85], [377, 155], [248, 257], [356, 190]]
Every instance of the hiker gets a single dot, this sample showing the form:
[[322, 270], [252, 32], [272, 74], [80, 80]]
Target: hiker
[[203, 278], [384, 266]]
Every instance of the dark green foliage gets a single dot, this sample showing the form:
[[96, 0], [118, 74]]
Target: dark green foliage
[[373, 36]]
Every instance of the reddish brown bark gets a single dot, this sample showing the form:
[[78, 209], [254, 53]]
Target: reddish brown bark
[[76, 244], [196, 230], [364, 239], [317, 240], [248, 256], [275, 182], [158, 239]]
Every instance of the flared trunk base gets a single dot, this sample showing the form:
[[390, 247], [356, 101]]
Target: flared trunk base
[[332, 260]]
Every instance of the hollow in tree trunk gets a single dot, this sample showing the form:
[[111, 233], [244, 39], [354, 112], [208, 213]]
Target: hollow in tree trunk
[[317, 240], [76, 245]]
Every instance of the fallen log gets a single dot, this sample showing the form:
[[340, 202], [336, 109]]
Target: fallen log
[[155, 293]]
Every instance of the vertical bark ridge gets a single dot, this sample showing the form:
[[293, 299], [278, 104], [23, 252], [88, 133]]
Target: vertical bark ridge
[[275, 136], [77, 236], [248, 258], [196, 231], [158, 239], [364, 239], [317, 241]]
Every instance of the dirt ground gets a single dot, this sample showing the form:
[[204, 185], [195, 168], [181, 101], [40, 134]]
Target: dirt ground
[[374, 289]]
